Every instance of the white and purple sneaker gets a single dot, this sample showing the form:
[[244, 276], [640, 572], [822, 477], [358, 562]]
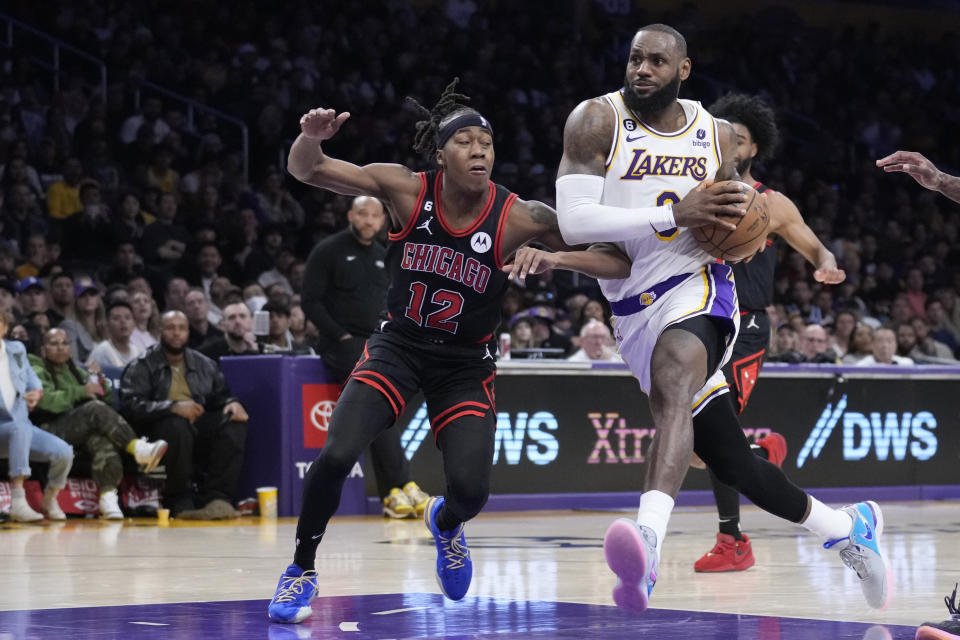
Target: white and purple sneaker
[[631, 552]]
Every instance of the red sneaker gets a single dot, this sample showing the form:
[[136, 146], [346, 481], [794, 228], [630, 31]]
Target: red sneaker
[[776, 446], [729, 554]]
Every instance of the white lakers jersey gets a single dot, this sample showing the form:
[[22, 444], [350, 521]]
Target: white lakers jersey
[[648, 168]]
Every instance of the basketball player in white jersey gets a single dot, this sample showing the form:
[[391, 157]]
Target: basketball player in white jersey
[[633, 172]]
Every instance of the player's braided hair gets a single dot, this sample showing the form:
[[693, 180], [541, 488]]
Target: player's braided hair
[[450, 103], [753, 113]]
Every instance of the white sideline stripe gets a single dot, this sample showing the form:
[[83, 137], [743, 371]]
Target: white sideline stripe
[[349, 626], [386, 613], [152, 624]]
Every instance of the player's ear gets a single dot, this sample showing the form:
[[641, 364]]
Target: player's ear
[[439, 157], [685, 68]]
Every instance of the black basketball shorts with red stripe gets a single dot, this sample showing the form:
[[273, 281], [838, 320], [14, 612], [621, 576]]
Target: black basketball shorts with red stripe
[[748, 351], [457, 380]]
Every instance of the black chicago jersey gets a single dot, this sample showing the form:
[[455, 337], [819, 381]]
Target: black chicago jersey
[[446, 286], [755, 279]]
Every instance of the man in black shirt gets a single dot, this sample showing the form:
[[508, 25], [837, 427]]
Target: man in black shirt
[[344, 293]]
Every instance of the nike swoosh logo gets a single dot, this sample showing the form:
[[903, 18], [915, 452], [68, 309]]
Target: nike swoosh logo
[[315, 537], [635, 138], [868, 532]]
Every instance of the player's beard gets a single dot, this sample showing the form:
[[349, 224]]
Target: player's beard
[[744, 166], [656, 101]]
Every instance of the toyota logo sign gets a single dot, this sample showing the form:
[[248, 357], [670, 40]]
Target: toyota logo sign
[[320, 414], [319, 401]]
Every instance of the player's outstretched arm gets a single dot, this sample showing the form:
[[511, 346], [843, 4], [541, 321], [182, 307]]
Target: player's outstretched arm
[[600, 260], [530, 220], [392, 183], [923, 171], [787, 222]]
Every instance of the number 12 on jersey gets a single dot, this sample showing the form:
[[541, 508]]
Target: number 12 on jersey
[[450, 305]]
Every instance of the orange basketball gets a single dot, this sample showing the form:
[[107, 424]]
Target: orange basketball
[[746, 239]]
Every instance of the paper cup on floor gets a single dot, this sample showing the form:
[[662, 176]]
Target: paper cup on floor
[[163, 516], [267, 498]]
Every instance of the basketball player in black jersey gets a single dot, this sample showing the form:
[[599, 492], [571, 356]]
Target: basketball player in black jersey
[[452, 231], [757, 136]]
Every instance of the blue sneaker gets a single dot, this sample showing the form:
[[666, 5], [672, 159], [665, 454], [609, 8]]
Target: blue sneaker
[[631, 552], [861, 551], [454, 566], [295, 591]]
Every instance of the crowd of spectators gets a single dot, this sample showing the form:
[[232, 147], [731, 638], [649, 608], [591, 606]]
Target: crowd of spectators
[[104, 200]]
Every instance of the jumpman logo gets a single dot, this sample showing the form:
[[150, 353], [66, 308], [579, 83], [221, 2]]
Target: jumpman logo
[[487, 355], [753, 322], [426, 225]]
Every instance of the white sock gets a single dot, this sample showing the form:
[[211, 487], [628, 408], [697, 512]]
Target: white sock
[[20, 494], [654, 512], [827, 523]]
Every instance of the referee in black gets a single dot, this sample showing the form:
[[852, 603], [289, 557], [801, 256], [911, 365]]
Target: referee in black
[[344, 294]]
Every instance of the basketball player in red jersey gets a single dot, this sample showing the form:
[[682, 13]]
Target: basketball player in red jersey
[[756, 129], [453, 230], [923, 171]]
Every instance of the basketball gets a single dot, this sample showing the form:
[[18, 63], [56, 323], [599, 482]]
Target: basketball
[[746, 239]]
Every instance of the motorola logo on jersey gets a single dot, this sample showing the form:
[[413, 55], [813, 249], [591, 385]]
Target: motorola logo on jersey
[[643, 165], [481, 242], [518, 437], [446, 262], [883, 434]]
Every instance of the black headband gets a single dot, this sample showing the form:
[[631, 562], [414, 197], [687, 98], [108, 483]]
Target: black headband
[[466, 120]]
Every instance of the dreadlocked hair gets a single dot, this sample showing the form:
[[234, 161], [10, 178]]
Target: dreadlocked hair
[[450, 102], [753, 113]]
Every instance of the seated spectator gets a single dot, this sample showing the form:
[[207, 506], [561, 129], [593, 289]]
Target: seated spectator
[[843, 326], [63, 196], [237, 338], [37, 256], [216, 295], [7, 292], [131, 221], [174, 297], [553, 344], [785, 343], [76, 406], [277, 276], [126, 264], [61, 298], [813, 345], [521, 334], [208, 265], [88, 327], [165, 241], [88, 233], [861, 345], [254, 297], [20, 440], [179, 395], [279, 340], [146, 318], [32, 296], [196, 309], [595, 340], [927, 350], [298, 327], [940, 330], [116, 350], [884, 350], [22, 216]]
